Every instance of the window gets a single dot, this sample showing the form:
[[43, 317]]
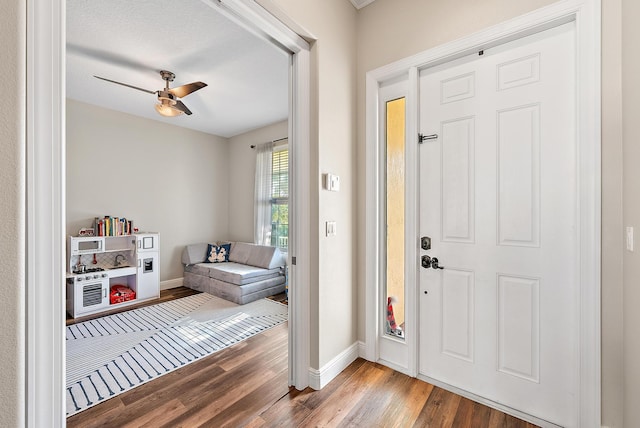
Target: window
[[271, 210], [394, 214], [280, 199]]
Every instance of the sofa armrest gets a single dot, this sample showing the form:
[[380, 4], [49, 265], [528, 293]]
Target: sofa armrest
[[194, 253]]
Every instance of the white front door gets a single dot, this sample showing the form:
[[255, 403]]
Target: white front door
[[498, 198]]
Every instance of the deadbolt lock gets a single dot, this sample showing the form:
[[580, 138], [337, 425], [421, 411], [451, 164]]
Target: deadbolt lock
[[425, 243]]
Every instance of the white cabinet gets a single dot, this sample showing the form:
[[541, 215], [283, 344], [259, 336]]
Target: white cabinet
[[147, 250], [96, 264], [148, 277]]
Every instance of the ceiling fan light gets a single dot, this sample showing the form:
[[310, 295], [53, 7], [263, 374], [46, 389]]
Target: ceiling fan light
[[166, 109]]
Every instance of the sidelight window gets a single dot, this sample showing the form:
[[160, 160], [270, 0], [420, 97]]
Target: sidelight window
[[394, 191]]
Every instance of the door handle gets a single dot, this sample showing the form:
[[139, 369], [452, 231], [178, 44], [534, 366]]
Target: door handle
[[434, 263], [426, 262]]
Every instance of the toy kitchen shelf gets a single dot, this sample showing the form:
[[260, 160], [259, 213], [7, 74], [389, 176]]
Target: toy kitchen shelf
[[97, 264]]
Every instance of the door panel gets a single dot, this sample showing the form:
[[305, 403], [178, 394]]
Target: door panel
[[458, 180], [457, 314], [498, 197]]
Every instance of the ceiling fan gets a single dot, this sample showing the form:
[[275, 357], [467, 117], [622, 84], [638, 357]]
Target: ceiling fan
[[169, 104]]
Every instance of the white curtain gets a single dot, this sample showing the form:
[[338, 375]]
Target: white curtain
[[262, 202]]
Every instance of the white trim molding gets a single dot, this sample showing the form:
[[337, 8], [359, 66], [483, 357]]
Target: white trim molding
[[319, 378], [171, 283], [45, 243], [362, 349], [586, 14]]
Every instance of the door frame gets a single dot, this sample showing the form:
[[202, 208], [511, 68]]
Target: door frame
[[586, 14], [45, 229]]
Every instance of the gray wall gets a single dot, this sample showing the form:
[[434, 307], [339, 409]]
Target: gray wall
[[12, 212], [333, 135], [168, 179], [612, 224], [631, 203]]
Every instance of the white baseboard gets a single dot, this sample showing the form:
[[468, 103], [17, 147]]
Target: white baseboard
[[171, 283], [362, 349], [319, 378]]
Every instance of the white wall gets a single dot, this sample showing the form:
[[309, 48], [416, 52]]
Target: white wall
[[612, 226], [168, 179], [333, 67], [12, 212], [631, 179], [242, 170]]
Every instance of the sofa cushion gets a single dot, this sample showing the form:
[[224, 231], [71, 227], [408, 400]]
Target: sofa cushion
[[234, 273], [266, 257], [194, 253], [262, 256], [240, 252]]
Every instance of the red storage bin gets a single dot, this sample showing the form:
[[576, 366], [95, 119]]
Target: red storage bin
[[121, 293]]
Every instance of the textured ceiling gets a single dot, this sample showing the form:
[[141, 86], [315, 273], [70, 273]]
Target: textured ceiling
[[130, 41]]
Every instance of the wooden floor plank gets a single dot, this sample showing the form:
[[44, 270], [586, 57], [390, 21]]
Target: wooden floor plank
[[439, 410], [313, 399], [287, 411], [464, 414], [339, 404], [381, 396], [407, 405], [246, 385], [480, 415], [157, 416], [255, 402]]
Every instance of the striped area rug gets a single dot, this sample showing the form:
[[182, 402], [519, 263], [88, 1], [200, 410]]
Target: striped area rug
[[115, 353]]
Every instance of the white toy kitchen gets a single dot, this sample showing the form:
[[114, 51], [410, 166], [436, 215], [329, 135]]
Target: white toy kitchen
[[105, 272]]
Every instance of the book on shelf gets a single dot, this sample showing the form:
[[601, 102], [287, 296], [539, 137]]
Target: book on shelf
[[112, 226]]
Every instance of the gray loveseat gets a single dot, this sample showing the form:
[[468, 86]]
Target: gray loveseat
[[252, 272]]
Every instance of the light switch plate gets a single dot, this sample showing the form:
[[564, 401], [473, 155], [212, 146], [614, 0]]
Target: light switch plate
[[332, 182], [629, 238], [331, 228]]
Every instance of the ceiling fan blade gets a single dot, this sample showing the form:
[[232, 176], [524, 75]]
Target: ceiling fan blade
[[184, 90], [124, 84], [180, 106]]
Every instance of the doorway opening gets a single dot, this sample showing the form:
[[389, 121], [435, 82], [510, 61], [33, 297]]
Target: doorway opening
[[45, 187]]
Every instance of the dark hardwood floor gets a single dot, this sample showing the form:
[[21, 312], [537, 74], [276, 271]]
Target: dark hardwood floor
[[246, 386]]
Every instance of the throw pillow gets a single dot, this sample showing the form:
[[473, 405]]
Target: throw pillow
[[218, 253]]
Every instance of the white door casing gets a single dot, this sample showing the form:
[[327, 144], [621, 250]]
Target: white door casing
[[498, 197]]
